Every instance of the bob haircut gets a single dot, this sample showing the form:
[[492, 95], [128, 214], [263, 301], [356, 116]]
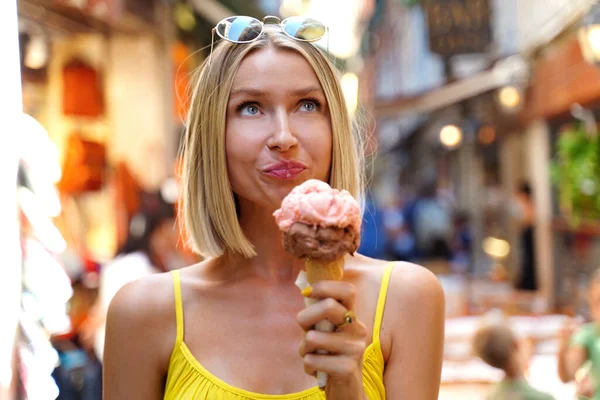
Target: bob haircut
[[208, 204]]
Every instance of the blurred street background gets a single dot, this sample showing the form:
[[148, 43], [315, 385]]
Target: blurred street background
[[483, 155]]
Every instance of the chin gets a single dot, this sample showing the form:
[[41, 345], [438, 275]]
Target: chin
[[270, 193], [274, 194], [285, 189]]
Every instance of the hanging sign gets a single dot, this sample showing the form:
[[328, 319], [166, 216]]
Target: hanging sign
[[458, 26]]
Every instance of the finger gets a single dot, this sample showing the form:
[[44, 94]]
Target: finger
[[333, 343], [343, 292], [310, 371], [328, 309], [356, 330], [334, 365]]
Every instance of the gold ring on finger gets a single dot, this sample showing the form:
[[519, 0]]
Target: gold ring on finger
[[349, 317]]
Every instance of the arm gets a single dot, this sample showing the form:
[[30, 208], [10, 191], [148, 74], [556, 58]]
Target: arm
[[570, 359], [571, 356], [140, 333], [415, 315]]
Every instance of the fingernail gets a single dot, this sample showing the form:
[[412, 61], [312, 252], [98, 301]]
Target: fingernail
[[307, 291]]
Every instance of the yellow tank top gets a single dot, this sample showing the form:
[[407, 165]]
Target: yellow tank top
[[187, 379]]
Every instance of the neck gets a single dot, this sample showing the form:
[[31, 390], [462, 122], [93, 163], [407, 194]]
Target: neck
[[514, 370], [271, 261]]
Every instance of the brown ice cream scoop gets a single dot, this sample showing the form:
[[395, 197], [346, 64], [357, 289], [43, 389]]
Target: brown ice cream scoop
[[320, 243]]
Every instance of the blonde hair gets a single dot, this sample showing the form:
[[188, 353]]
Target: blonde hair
[[495, 345], [208, 203]]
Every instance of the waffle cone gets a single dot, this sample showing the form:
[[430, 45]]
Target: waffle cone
[[324, 270]]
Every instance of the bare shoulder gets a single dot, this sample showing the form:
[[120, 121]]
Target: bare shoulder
[[414, 319], [152, 298], [415, 307], [408, 281], [411, 287], [141, 331], [365, 271], [415, 302], [412, 328], [415, 286], [144, 299], [143, 311]]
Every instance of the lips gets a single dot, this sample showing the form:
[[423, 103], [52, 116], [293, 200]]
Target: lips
[[286, 170]]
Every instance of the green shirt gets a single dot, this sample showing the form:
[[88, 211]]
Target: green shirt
[[589, 338], [517, 390]]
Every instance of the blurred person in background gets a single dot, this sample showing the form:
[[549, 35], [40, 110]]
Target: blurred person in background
[[579, 346], [400, 239], [462, 240], [497, 345], [525, 215], [373, 237], [79, 374], [431, 219], [150, 248]]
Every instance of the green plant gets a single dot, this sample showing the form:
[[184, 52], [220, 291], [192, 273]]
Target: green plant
[[576, 173]]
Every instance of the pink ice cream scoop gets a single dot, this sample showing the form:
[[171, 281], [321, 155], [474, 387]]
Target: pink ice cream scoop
[[314, 202]]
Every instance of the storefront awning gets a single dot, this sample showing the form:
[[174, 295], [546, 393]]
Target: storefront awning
[[504, 72]]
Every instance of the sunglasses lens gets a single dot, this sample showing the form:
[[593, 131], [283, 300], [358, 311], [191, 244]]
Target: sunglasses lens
[[239, 29], [303, 28]]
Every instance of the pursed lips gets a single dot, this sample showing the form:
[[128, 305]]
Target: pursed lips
[[288, 169]]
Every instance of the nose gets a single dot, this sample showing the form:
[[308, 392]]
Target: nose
[[282, 138]]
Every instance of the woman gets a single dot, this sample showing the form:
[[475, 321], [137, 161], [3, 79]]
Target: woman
[[150, 248], [265, 116]]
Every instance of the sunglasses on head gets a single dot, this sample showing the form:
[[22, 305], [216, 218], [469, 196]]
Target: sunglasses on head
[[241, 29]]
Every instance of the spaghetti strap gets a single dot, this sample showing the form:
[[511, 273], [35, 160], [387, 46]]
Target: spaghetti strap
[[178, 306], [381, 301]]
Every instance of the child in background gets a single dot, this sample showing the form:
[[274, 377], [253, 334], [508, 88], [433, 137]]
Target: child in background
[[579, 346], [498, 346]]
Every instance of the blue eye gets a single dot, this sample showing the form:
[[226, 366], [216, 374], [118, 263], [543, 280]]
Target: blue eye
[[311, 105], [248, 109]]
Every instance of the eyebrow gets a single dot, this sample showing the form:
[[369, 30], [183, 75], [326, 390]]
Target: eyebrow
[[259, 93]]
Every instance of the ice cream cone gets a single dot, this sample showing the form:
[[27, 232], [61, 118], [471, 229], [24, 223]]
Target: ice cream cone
[[320, 224], [317, 270]]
